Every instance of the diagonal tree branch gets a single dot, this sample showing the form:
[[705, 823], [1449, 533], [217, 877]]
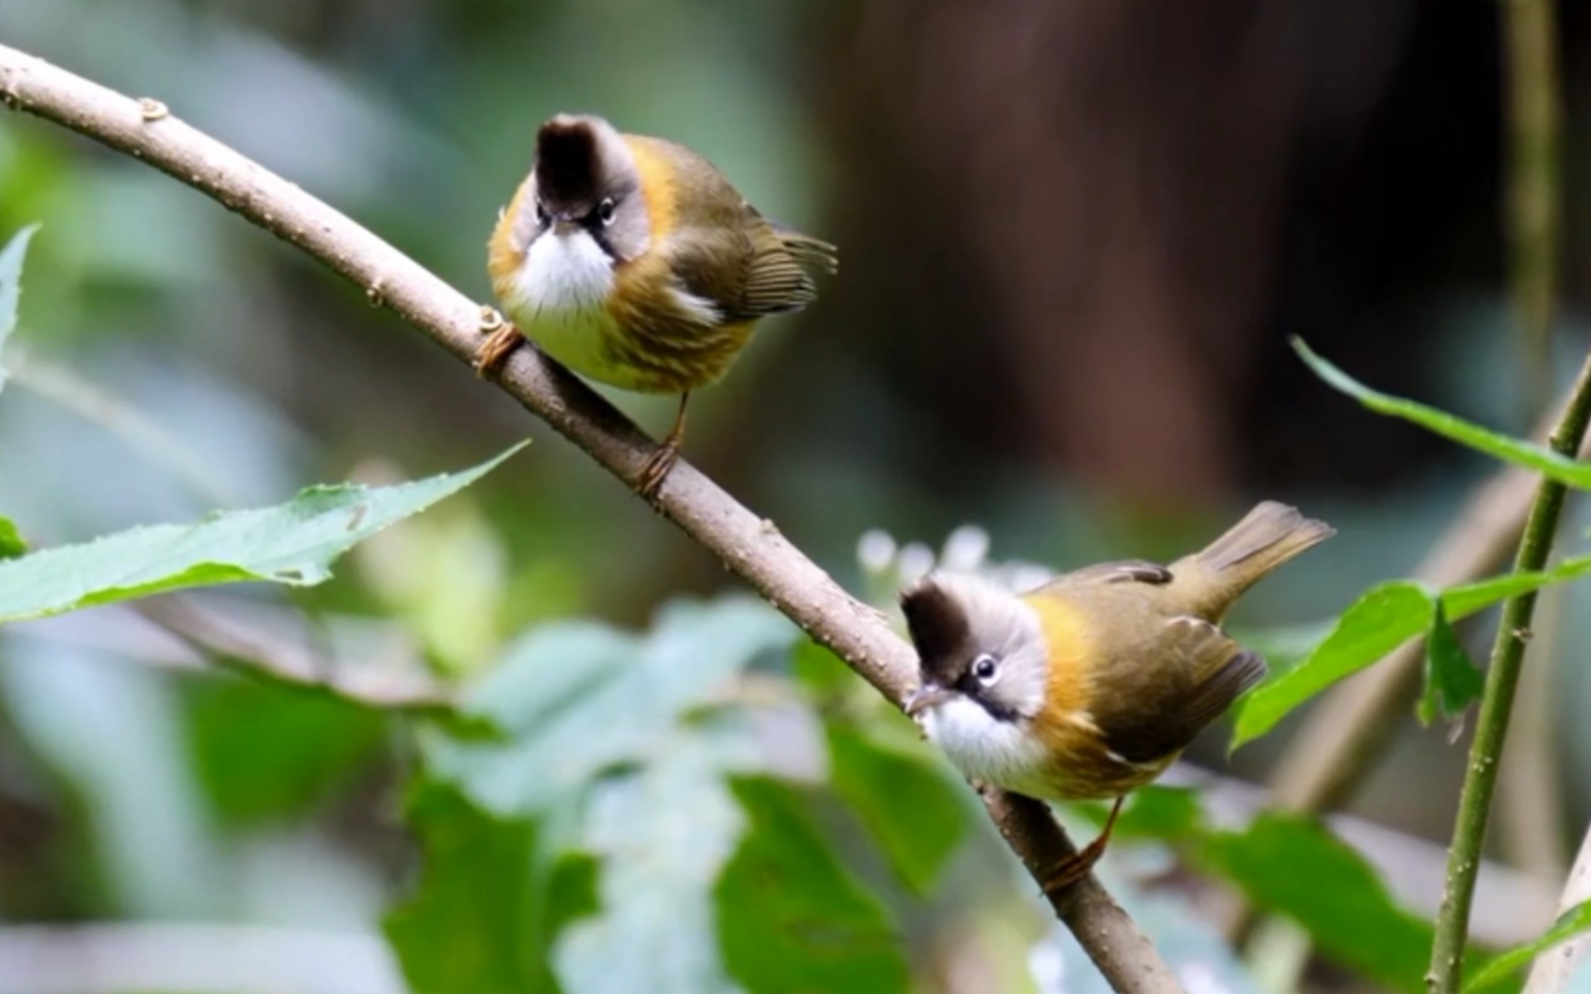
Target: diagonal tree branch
[[749, 546]]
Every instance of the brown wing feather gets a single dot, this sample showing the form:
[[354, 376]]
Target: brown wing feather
[[1121, 571], [1198, 673], [751, 272]]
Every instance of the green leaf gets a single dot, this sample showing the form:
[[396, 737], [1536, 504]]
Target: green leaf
[[11, 286], [293, 543], [879, 781], [11, 544], [1159, 812], [791, 920], [484, 912], [663, 834], [1569, 924], [1384, 617], [815, 665], [266, 751], [1571, 472], [1461, 602], [1452, 680], [1297, 868], [614, 736], [578, 698]]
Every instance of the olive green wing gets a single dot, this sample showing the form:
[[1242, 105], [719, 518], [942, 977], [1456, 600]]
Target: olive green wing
[[751, 270], [779, 272], [1121, 571], [1160, 692]]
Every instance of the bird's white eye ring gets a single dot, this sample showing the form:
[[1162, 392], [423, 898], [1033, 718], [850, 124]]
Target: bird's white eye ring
[[605, 210], [985, 668]]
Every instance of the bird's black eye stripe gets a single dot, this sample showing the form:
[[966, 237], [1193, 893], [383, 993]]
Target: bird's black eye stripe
[[541, 212]]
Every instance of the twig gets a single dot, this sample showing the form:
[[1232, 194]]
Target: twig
[[1491, 724], [1551, 971], [1331, 755], [749, 546], [1530, 803], [1533, 218], [1342, 736], [182, 632], [1534, 211], [254, 651]]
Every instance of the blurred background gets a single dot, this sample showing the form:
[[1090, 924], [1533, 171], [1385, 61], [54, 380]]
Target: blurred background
[[1075, 238]]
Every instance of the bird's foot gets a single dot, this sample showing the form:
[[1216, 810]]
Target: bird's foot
[[1068, 871], [657, 469], [495, 351]]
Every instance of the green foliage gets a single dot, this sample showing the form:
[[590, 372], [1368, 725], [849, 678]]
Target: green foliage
[[1452, 680], [11, 543], [1296, 867], [879, 766], [293, 543], [1385, 617], [621, 751], [1158, 812], [11, 286], [1569, 924], [561, 682], [1382, 619], [1571, 472], [11, 258], [481, 916], [266, 751], [816, 929], [880, 781]]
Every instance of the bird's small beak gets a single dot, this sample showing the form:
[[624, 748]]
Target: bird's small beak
[[927, 696], [565, 225]]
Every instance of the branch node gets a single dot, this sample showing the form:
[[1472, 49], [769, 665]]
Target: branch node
[[491, 319]]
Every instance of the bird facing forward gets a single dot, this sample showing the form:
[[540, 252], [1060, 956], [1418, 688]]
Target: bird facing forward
[[633, 261]]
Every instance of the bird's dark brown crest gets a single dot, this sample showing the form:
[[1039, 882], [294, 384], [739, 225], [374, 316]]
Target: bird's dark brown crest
[[568, 166], [938, 626]]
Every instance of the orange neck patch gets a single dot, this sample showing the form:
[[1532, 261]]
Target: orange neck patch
[[1071, 647]]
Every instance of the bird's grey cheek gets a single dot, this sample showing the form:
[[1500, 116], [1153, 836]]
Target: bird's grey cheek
[[631, 231]]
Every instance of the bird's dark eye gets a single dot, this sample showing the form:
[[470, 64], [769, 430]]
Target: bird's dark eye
[[984, 668], [605, 210], [541, 213]]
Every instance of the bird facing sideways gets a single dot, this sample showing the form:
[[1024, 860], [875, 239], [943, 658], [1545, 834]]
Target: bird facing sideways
[[633, 261], [1090, 685]]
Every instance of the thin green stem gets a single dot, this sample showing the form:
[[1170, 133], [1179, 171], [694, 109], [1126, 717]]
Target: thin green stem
[[1534, 208], [1534, 219], [1491, 725]]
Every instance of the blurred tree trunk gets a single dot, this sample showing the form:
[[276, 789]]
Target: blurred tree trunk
[[1111, 180]]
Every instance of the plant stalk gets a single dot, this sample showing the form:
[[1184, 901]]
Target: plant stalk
[[1534, 217], [1491, 725], [1534, 209]]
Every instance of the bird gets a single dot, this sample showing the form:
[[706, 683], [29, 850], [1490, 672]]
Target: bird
[[633, 261], [1091, 684]]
